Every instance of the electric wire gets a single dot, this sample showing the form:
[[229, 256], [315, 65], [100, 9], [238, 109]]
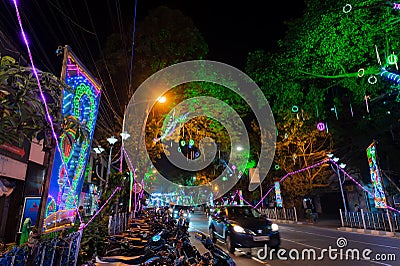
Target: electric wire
[[102, 55]]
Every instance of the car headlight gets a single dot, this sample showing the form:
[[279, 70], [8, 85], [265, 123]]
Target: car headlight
[[238, 229], [274, 227]]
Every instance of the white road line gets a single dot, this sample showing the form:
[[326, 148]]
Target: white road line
[[355, 241], [299, 243]]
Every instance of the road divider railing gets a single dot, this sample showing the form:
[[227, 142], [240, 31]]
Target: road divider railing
[[118, 223], [284, 214], [384, 220]]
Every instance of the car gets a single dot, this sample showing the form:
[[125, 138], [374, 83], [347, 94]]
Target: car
[[243, 226], [185, 210]]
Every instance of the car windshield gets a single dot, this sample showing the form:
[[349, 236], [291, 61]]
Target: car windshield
[[243, 212]]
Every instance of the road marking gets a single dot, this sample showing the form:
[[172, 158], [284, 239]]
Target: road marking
[[347, 239], [299, 243]]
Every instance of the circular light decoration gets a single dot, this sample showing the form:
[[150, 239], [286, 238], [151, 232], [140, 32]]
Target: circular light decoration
[[191, 142], [224, 178], [362, 72], [86, 112], [234, 167], [392, 59], [347, 8], [196, 154], [179, 149], [277, 167], [372, 80], [295, 108], [321, 126], [183, 143]]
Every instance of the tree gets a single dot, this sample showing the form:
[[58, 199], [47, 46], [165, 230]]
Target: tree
[[22, 112], [328, 64], [164, 37], [300, 144]]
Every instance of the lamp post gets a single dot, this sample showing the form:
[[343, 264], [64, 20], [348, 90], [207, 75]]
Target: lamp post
[[112, 140], [336, 170], [98, 151], [125, 135]]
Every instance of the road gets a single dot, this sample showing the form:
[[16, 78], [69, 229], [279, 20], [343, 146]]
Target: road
[[299, 243]]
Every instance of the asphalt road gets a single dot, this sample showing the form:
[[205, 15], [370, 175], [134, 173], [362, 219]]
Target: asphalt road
[[299, 243]]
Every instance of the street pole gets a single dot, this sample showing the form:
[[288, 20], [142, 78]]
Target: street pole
[[341, 188], [109, 166]]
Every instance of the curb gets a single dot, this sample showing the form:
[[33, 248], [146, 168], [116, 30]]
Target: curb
[[368, 231], [285, 221]]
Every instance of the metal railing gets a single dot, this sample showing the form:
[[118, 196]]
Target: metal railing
[[59, 251], [118, 223], [384, 221], [287, 214]]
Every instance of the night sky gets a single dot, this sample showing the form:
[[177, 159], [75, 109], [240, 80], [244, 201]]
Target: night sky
[[230, 28]]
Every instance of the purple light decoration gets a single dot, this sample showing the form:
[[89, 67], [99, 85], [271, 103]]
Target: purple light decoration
[[50, 120], [248, 203], [396, 6], [321, 126], [358, 184], [101, 208], [289, 174], [315, 165]]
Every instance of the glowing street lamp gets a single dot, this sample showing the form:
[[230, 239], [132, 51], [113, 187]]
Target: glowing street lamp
[[162, 99]]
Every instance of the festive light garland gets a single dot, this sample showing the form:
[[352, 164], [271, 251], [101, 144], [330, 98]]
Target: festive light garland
[[50, 120]]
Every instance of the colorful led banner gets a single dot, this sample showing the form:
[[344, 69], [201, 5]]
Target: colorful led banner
[[278, 196], [379, 193], [80, 101]]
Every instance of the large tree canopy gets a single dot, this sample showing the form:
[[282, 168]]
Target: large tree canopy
[[329, 65]]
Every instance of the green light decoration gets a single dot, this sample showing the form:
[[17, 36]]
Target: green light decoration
[[183, 143], [250, 164], [82, 90], [277, 167], [224, 178], [392, 59], [71, 199], [191, 142], [295, 108]]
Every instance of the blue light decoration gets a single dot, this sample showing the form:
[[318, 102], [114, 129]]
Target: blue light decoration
[[80, 101], [379, 193], [389, 75], [278, 196]]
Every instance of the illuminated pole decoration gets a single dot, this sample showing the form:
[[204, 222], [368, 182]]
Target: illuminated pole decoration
[[278, 196], [379, 193], [80, 102]]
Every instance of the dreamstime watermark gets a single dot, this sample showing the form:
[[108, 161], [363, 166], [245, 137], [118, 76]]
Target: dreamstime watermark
[[204, 71], [340, 252]]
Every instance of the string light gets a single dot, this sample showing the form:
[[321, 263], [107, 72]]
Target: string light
[[50, 120]]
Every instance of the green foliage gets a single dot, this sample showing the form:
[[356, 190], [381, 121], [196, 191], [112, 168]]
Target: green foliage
[[22, 111], [94, 235]]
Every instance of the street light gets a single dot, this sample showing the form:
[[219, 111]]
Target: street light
[[112, 140], [98, 149], [336, 170]]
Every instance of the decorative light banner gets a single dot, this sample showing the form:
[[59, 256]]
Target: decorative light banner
[[241, 197], [278, 196], [80, 101], [379, 193]]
